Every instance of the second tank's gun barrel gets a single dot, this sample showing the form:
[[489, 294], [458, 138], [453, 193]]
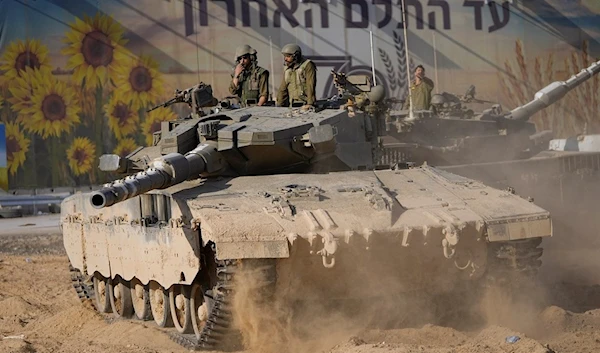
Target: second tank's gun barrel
[[165, 171], [553, 92]]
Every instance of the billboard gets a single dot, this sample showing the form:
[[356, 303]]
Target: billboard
[[78, 75]]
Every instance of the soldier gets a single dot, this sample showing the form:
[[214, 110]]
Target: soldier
[[249, 82], [299, 78], [421, 88]]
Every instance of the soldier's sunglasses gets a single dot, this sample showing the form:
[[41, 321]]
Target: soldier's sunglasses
[[246, 56]]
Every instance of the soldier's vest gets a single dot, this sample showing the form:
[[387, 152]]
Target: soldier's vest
[[250, 85], [295, 79]]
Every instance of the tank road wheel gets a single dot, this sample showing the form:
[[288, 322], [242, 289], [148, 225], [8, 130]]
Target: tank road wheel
[[101, 293], [140, 298], [179, 302], [120, 298], [159, 303], [199, 308]]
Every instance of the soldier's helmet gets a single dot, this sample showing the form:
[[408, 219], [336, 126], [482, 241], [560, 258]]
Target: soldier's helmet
[[292, 49], [244, 50]]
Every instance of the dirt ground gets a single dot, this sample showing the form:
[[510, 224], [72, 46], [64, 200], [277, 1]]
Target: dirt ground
[[39, 312]]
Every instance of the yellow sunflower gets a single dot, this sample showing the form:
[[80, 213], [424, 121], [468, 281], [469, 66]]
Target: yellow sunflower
[[138, 81], [81, 155], [53, 109], [122, 119], [20, 55], [23, 88], [152, 122], [93, 45], [17, 146], [125, 147]]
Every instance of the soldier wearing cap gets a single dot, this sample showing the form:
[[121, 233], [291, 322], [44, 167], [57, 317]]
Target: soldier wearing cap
[[299, 78], [249, 82]]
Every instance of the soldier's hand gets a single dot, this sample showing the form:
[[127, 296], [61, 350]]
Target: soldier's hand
[[238, 70]]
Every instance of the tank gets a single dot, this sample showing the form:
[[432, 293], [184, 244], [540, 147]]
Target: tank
[[453, 133], [295, 195]]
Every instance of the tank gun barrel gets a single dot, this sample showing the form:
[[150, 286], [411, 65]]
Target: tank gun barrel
[[165, 171], [553, 92]]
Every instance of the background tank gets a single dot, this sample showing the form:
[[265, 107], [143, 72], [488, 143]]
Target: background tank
[[294, 195], [452, 133]]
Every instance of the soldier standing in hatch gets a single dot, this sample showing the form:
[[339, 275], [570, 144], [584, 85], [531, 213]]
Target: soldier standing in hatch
[[299, 78], [249, 82], [421, 88]]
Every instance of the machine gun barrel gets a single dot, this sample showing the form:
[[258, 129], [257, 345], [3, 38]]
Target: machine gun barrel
[[553, 92], [165, 171], [165, 104]]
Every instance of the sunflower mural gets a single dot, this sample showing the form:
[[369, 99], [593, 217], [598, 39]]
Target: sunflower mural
[[83, 98]]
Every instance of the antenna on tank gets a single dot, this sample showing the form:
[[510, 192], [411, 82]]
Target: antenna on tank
[[437, 87], [272, 72], [372, 57], [410, 103], [197, 54]]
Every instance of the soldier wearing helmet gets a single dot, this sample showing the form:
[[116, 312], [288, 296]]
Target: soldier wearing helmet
[[299, 78], [249, 82]]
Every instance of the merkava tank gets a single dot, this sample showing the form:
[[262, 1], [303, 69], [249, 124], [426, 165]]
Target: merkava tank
[[452, 132], [297, 192]]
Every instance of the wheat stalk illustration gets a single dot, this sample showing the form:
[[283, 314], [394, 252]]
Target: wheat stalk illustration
[[523, 68], [401, 59], [389, 68]]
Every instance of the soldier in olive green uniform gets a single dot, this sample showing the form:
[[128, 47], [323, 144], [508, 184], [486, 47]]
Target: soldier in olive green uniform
[[421, 88], [249, 82], [299, 78]]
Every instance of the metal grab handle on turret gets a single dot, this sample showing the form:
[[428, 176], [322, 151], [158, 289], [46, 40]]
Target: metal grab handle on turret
[[553, 92]]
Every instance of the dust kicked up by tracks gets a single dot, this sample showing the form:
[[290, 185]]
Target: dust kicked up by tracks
[[40, 312]]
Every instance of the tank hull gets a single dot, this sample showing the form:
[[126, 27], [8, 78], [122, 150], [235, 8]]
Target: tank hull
[[316, 236]]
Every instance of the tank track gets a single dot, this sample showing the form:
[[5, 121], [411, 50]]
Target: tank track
[[83, 286], [217, 329]]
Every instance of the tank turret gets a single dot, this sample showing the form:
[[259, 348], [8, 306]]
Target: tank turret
[[247, 141]]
